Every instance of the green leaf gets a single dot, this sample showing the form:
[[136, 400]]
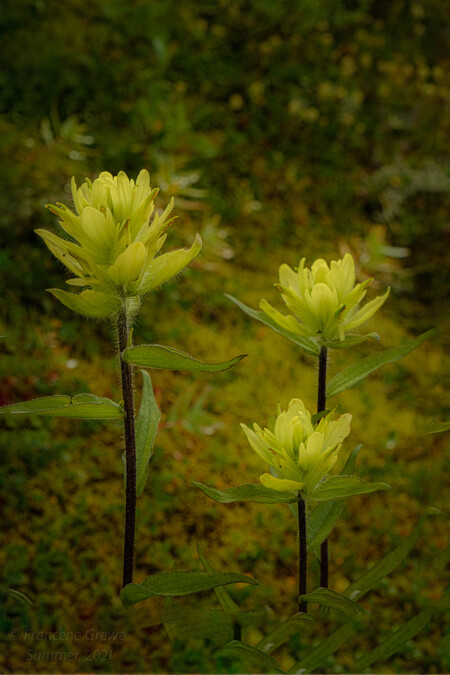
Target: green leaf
[[328, 598], [147, 423], [158, 356], [235, 615], [375, 574], [88, 411], [211, 624], [17, 595], [228, 605], [92, 398], [315, 657], [35, 406], [251, 492], [318, 416], [358, 371], [180, 583], [90, 303], [435, 427], [308, 345], [395, 641], [253, 654], [82, 406], [350, 341], [322, 521], [339, 487], [295, 624], [325, 515]]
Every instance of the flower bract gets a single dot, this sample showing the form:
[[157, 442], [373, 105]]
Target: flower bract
[[324, 301], [114, 245], [300, 452]]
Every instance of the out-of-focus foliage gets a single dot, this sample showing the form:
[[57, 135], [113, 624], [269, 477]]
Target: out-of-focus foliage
[[283, 129]]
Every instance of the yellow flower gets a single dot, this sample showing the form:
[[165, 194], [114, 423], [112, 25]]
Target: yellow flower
[[324, 300], [116, 247], [301, 452]]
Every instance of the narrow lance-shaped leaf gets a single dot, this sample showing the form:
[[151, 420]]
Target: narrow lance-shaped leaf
[[388, 564], [435, 427], [227, 603], [159, 356], [232, 612], [253, 654], [395, 641], [82, 406], [147, 423], [251, 492], [298, 623], [315, 657], [212, 624], [328, 598], [326, 514], [17, 595], [339, 487], [181, 621], [309, 346], [36, 405], [180, 583], [358, 371]]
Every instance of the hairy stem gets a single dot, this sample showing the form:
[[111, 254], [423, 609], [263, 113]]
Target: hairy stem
[[302, 552], [321, 405], [130, 452]]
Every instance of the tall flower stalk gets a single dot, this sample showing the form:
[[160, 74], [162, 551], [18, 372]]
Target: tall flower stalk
[[302, 553], [321, 406], [114, 258], [130, 451], [112, 250]]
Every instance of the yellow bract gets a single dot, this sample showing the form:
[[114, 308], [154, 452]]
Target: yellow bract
[[324, 300], [301, 452], [117, 240]]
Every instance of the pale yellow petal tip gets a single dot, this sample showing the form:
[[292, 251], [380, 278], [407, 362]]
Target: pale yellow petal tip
[[198, 241], [144, 175], [284, 267], [348, 258]]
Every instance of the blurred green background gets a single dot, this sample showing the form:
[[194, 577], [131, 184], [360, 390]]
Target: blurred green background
[[283, 129]]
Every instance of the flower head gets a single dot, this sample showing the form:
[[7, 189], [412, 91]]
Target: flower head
[[301, 452], [324, 301], [116, 244]]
